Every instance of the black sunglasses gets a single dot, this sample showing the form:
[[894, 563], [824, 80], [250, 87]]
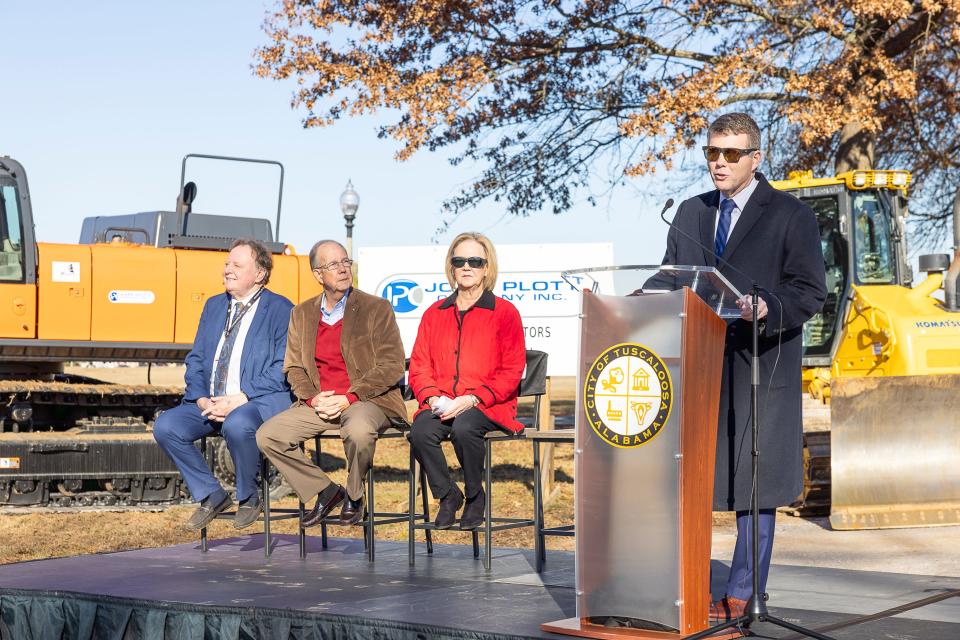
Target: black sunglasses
[[473, 261], [730, 155]]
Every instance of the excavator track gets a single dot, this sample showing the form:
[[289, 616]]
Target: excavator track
[[77, 442]]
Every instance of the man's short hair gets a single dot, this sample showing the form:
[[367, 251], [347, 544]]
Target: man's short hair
[[734, 124], [315, 249], [260, 253]]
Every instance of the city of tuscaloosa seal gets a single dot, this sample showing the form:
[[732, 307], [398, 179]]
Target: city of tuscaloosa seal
[[628, 395]]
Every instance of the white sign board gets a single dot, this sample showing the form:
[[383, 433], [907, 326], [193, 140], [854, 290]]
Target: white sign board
[[412, 278]]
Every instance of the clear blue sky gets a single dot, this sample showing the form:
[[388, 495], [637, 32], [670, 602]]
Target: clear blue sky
[[101, 100]]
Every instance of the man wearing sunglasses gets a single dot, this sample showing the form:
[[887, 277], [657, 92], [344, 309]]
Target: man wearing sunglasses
[[757, 235], [344, 362]]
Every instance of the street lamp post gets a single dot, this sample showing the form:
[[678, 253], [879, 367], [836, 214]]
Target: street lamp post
[[349, 203]]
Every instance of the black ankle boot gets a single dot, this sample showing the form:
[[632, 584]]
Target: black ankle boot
[[474, 511], [449, 505]]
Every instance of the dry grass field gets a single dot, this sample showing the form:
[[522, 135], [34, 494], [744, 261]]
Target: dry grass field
[[36, 535]]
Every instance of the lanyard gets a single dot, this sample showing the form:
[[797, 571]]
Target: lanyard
[[229, 326]]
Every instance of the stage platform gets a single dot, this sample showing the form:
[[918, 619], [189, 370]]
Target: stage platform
[[234, 592]]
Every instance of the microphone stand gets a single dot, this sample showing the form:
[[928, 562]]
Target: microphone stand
[[756, 610]]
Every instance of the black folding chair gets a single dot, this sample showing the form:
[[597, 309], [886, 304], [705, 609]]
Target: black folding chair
[[268, 513], [373, 518], [533, 384]]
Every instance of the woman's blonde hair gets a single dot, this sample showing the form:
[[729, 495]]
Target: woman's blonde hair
[[490, 277]]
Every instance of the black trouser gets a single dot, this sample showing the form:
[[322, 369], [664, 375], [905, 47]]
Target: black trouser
[[466, 431]]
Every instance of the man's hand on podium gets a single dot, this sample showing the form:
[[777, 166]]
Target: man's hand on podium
[[746, 308]]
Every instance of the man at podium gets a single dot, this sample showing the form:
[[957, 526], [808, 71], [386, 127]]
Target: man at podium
[[754, 235]]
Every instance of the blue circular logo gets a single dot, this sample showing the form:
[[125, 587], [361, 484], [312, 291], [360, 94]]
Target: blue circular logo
[[404, 295]]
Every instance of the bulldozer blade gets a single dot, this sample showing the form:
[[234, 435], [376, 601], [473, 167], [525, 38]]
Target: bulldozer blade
[[895, 452]]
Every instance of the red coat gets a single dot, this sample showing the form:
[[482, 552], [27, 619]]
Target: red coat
[[483, 354]]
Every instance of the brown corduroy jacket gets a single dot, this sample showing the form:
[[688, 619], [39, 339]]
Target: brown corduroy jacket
[[371, 348]]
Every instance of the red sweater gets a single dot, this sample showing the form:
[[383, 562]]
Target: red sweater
[[483, 354], [329, 359]]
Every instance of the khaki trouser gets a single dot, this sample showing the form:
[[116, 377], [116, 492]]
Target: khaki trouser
[[279, 439]]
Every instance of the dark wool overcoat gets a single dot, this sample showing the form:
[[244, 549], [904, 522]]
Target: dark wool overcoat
[[775, 244]]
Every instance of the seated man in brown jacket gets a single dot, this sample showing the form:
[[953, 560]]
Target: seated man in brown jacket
[[344, 363]]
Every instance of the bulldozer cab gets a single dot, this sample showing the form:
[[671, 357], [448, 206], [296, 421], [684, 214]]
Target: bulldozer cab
[[861, 234]]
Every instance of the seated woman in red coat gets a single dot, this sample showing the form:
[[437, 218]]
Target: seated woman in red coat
[[465, 369]]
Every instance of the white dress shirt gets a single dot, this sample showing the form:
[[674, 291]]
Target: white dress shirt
[[739, 202], [233, 370], [333, 317]]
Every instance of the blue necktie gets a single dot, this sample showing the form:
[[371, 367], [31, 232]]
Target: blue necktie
[[723, 226], [223, 362]]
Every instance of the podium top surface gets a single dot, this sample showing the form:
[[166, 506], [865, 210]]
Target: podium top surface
[[707, 282]]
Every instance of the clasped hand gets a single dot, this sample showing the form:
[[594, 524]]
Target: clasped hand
[[328, 405], [217, 408], [455, 407]]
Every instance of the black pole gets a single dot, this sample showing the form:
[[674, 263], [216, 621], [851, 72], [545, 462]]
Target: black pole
[[349, 220], [758, 602], [756, 610]]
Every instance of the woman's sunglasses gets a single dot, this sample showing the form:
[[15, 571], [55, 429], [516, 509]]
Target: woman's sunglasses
[[474, 262]]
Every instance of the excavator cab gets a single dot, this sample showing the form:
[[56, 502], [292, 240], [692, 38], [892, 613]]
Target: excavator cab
[[18, 275]]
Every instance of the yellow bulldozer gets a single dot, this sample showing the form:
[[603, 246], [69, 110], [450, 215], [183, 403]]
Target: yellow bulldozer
[[885, 356], [131, 290]]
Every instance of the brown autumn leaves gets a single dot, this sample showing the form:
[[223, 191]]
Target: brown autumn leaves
[[544, 93]]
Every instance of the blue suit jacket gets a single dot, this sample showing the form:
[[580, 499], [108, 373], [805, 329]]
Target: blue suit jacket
[[261, 361]]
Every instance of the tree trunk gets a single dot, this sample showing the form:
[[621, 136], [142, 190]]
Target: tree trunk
[[855, 150]]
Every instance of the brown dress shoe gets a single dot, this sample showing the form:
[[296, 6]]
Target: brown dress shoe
[[207, 511], [352, 512], [327, 501], [726, 609]]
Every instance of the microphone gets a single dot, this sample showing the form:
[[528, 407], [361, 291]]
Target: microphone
[[696, 241], [666, 207]]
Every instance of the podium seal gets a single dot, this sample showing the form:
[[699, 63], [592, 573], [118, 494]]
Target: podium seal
[[628, 395]]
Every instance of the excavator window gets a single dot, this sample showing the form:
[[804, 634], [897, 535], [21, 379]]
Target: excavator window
[[11, 235], [872, 240], [818, 332]]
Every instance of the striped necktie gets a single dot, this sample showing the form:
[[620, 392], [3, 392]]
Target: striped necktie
[[723, 226], [223, 361]]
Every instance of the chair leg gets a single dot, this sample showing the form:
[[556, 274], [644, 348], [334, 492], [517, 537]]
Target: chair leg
[[538, 538], [411, 509], [371, 510], [203, 531], [426, 508], [302, 535], [488, 519], [265, 489], [316, 461]]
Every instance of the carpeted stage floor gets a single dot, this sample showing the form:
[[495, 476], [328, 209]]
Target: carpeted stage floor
[[234, 592]]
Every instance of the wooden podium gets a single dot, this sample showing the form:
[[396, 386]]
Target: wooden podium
[[646, 428]]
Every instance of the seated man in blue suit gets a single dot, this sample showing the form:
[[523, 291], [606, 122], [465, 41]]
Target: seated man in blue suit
[[234, 383]]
